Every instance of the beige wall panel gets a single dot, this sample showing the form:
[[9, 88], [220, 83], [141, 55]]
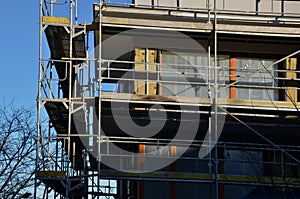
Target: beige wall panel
[[276, 6], [265, 6], [143, 2], [292, 7], [270, 6], [195, 4], [220, 4], [237, 5], [169, 3], [152, 55], [139, 86], [291, 64]]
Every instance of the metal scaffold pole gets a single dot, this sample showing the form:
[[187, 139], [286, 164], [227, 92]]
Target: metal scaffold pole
[[215, 102], [38, 100], [70, 108], [99, 139]]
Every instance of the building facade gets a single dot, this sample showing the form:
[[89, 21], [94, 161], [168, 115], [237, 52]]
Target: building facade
[[169, 99]]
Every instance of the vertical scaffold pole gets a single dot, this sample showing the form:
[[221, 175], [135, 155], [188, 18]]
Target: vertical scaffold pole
[[99, 86], [209, 90], [38, 100], [70, 109], [215, 102]]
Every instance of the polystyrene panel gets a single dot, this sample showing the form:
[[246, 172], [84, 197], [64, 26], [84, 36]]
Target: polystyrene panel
[[237, 5], [167, 3], [143, 2], [265, 6], [220, 4], [269, 6], [274, 6], [195, 4], [291, 7]]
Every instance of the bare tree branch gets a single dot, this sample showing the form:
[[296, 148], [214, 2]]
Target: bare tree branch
[[17, 151]]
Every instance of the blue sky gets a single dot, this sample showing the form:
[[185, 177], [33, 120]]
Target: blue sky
[[19, 44], [19, 51]]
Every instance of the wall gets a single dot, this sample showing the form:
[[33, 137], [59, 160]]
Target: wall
[[268, 6]]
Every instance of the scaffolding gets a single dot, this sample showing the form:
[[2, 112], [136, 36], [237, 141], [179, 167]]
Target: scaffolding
[[86, 92]]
